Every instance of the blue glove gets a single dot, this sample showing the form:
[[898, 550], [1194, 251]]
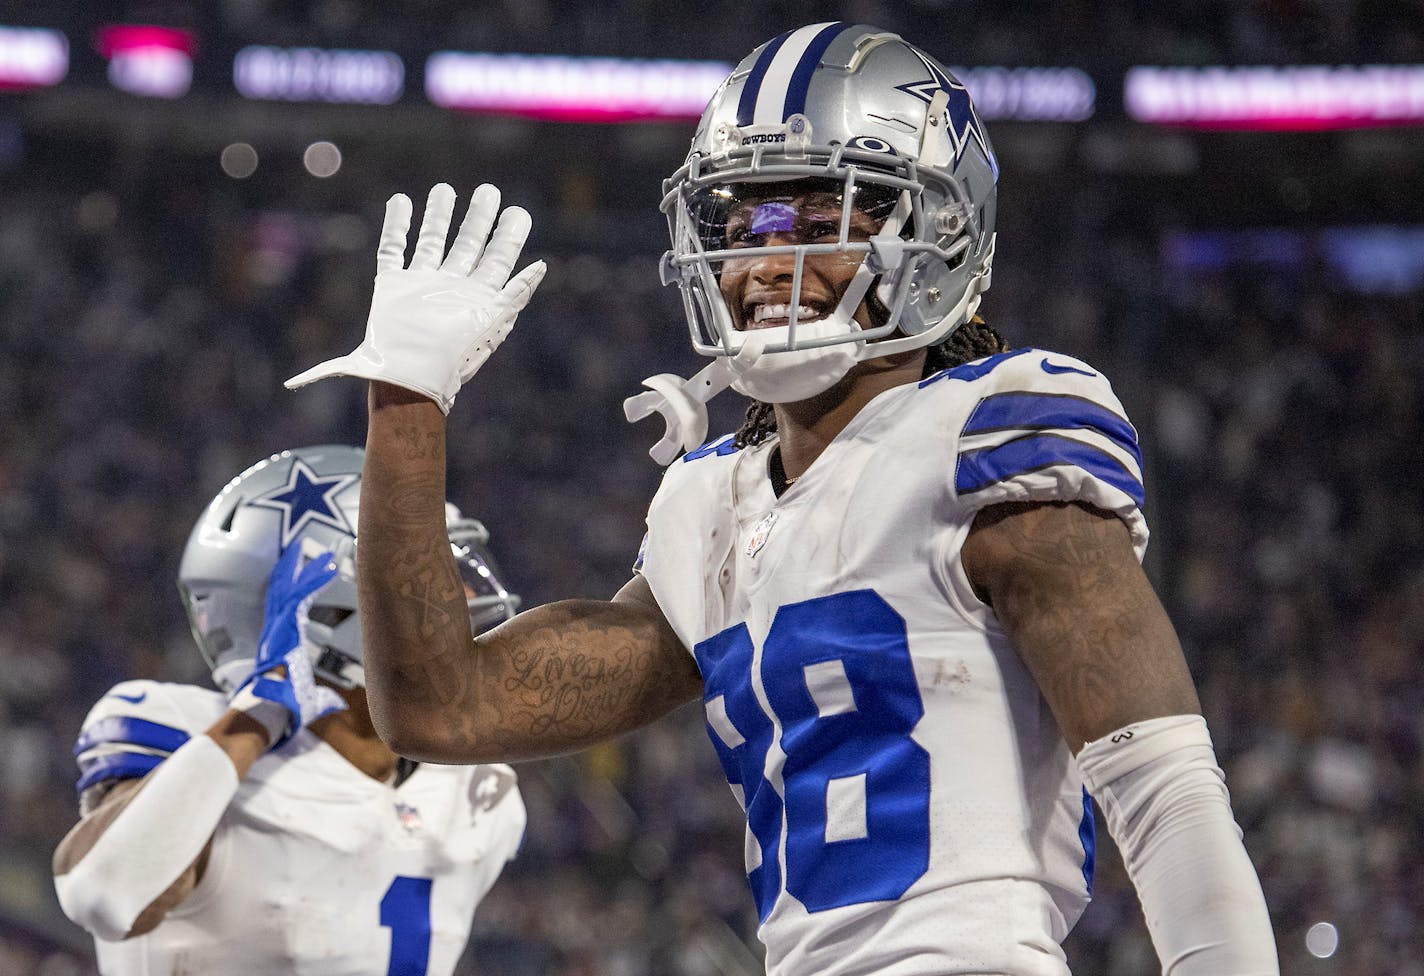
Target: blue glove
[[286, 702]]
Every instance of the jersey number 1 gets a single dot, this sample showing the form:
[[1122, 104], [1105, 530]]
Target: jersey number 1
[[837, 676], [405, 910]]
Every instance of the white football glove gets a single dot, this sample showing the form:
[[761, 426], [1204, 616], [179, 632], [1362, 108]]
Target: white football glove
[[433, 324]]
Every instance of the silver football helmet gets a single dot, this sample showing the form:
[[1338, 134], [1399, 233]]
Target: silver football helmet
[[833, 139], [309, 497]]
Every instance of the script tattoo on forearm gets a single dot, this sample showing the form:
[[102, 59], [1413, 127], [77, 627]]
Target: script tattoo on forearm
[[581, 671], [553, 679]]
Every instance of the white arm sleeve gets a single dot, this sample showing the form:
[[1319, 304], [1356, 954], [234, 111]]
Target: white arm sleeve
[[152, 841], [1167, 807]]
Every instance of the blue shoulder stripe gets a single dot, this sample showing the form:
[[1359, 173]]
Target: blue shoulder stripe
[[131, 731], [1050, 411], [971, 371], [800, 83], [982, 469], [722, 445], [117, 765], [746, 105]]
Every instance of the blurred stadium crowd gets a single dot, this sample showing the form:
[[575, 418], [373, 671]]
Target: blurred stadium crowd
[[146, 324], [1024, 33]]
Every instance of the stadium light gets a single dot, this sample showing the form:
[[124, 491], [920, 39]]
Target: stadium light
[[238, 160], [1291, 98], [145, 60], [32, 57], [572, 89], [322, 159]]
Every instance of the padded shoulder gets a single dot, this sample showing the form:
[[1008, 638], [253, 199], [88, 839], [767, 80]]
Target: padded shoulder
[[1042, 426], [138, 724]]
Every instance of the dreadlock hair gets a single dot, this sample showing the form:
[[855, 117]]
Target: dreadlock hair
[[973, 340]]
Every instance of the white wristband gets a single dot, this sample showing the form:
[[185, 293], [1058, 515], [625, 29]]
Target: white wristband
[[1167, 807], [152, 841]]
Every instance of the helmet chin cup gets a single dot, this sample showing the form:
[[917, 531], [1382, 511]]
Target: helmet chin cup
[[232, 672], [796, 374]]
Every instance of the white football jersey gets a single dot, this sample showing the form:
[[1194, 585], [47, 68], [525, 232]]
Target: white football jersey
[[912, 807], [316, 868]]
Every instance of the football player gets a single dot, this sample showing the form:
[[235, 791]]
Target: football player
[[908, 592], [263, 827]]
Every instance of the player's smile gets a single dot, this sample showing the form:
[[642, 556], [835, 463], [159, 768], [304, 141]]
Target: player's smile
[[758, 289], [768, 313]]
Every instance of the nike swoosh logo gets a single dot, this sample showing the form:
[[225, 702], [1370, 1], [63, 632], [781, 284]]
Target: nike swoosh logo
[[1055, 370], [134, 699]]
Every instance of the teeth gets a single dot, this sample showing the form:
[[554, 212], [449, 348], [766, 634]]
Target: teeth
[[804, 313]]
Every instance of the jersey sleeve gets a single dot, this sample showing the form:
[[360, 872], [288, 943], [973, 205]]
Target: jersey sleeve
[[689, 536], [1047, 427], [137, 725]]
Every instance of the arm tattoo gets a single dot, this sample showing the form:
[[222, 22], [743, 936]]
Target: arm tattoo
[[551, 680], [1069, 592], [418, 445], [417, 598], [555, 686], [567, 675]]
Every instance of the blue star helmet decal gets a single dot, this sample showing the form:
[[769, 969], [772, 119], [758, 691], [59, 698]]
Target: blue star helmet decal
[[964, 122], [306, 498]]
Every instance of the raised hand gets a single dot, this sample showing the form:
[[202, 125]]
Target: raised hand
[[434, 323]]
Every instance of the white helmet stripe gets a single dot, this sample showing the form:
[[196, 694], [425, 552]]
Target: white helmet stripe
[[771, 99]]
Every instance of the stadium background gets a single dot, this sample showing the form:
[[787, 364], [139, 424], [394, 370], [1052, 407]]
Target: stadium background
[[1255, 296]]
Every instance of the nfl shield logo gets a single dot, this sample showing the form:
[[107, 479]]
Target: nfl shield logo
[[409, 817], [759, 533]]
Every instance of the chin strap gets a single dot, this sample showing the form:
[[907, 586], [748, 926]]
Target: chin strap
[[683, 402]]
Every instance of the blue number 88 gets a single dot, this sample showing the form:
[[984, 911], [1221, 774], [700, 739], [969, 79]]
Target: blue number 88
[[837, 675]]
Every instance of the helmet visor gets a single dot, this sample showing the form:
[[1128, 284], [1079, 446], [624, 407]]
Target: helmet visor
[[742, 215]]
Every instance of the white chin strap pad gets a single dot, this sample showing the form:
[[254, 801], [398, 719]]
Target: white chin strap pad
[[151, 842], [785, 377]]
